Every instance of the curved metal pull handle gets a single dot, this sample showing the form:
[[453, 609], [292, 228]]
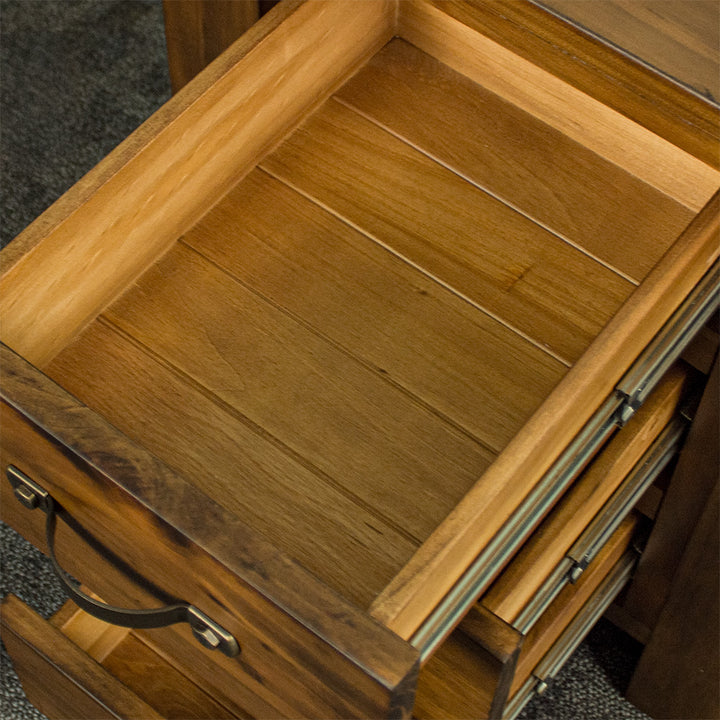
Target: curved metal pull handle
[[206, 631]]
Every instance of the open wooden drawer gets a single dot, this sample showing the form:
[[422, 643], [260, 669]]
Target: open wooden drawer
[[316, 350]]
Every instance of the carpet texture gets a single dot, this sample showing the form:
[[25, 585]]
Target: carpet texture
[[76, 77]]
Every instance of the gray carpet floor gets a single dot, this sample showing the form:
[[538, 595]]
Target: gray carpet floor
[[76, 77]]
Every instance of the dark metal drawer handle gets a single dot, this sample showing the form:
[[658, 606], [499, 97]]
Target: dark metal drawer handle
[[206, 631]]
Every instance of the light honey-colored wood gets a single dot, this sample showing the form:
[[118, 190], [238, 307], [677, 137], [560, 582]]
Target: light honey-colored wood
[[459, 682], [509, 594], [570, 601], [530, 165], [681, 39], [159, 683], [97, 638], [303, 513], [482, 249], [345, 421], [83, 254], [433, 570], [141, 668], [229, 396], [469, 368], [593, 124]]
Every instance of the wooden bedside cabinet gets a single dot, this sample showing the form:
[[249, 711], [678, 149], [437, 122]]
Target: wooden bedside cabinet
[[349, 372]]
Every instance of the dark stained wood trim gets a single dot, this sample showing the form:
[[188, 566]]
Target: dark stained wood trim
[[351, 663]]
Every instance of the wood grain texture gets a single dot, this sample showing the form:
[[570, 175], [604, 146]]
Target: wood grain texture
[[197, 31], [58, 677], [83, 254], [303, 513], [469, 368], [158, 682], [392, 453], [581, 82], [570, 601], [138, 666], [549, 544], [479, 247], [306, 652], [679, 38], [459, 682], [685, 500], [531, 166], [452, 548]]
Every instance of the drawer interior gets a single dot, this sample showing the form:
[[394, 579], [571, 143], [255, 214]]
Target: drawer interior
[[76, 666], [339, 349]]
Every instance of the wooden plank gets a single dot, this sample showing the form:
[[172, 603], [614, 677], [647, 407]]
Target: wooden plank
[[569, 602], [479, 247], [459, 682], [443, 558], [521, 51], [89, 248], [303, 513], [138, 666], [468, 367], [155, 679], [197, 31], [305, 651], [549, 544], [387, 451], [679, 38], [59, 678], [531, 166]]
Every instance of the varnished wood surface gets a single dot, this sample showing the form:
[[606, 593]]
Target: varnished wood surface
[[138, 666], [675, 593], [158, 682], [687, 494], [58, 677], [555, 536], [460, 681], [197, 31], [435, 567], [468, 240], [378, 444], [679, 671], [86, 251], [310, 652], [570, 601], [533, 167], [338, 664], [442, 28], [678, 37], [350, 548], [377, 308]]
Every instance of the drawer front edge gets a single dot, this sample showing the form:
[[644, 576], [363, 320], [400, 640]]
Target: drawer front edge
[[303, 648]]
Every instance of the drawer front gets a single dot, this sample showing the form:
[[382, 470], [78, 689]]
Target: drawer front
[[58, 677], [493, 654], [143, 537]]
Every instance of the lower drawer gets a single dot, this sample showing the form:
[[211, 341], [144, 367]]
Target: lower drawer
[[486, 661], [517, 634], [75, 666]]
